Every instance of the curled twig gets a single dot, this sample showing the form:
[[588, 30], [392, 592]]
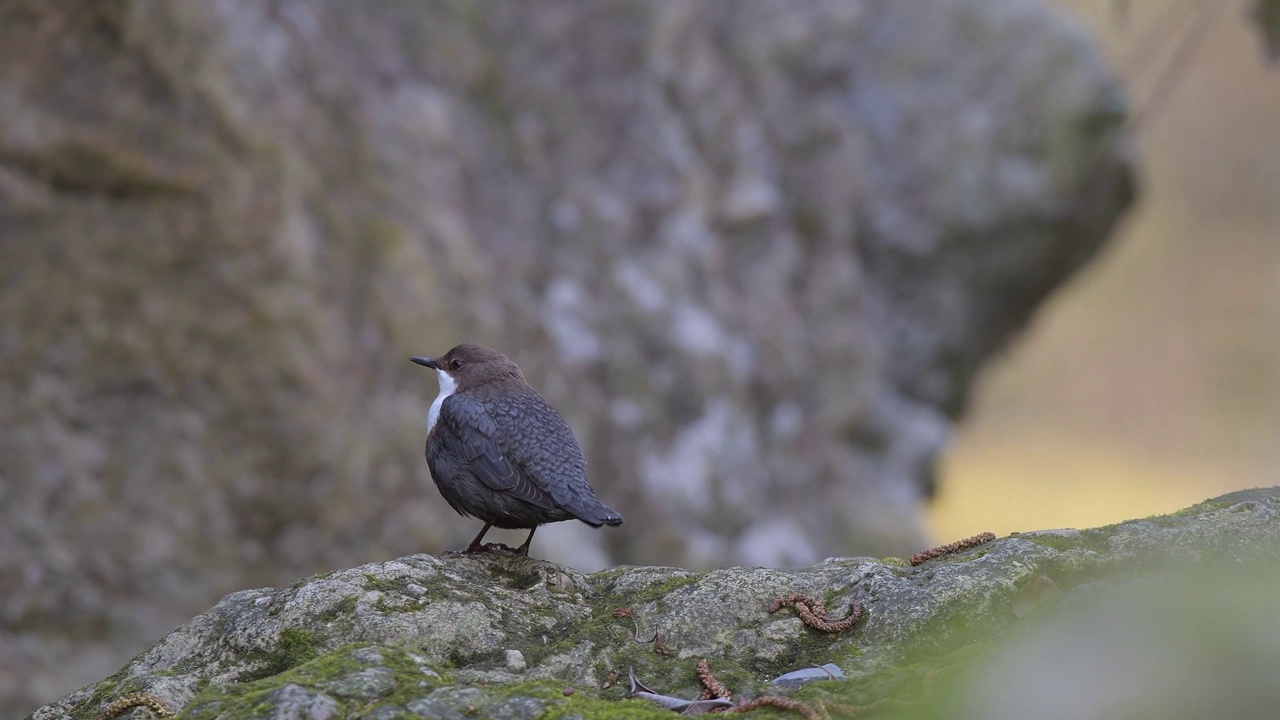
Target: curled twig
[[714, 688], [157, 706], [658, 646], [661, 647], [813, 612], [636, 636], [825, 670], [955, 547]]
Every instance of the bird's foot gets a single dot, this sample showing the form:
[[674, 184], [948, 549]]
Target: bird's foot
[[489, 547]]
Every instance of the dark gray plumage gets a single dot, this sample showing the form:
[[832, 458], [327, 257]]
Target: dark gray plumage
[[498, 452]]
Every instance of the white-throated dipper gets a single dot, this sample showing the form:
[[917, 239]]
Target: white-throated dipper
[[500, 453]]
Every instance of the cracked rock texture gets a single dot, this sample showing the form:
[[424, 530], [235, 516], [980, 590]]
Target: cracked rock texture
[[755, 252], [359, 641]]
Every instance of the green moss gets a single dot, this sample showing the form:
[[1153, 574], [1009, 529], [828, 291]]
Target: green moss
[[659, 591], [939, 652], [1094, 540], [1201, 509], [515, 572], [373, 582], [394, 595], [899, 660], [105, 692], [611, 598], [412, 681], [599, 627], [87, 165], [608, 575], [294, 647], [906, 687], [343, 607]]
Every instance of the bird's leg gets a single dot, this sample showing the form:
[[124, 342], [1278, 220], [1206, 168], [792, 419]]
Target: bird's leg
[[475, 545], [524, 549]]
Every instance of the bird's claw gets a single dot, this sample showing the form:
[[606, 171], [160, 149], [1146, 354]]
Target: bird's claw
[[489, 547]]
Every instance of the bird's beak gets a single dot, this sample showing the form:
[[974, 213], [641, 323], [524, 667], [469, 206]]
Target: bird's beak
[[426, 361]]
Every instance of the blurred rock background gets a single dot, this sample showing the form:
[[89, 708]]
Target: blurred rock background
[[756, 253], [1152, 380]]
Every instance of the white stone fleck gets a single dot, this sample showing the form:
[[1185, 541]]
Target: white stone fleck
[[515, 661]]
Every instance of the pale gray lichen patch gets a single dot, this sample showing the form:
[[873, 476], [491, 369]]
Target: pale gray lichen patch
[[461, 645]]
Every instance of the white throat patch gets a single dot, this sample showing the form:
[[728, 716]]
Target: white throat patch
[[447, 388]]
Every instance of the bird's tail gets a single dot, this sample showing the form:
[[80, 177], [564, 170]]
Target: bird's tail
[[596, 513]]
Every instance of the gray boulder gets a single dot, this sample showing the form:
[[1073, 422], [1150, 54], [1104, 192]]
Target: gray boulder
[[755, 252], [514, 637]]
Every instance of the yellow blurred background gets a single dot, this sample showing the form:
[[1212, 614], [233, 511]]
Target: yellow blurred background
[[1152, 381]]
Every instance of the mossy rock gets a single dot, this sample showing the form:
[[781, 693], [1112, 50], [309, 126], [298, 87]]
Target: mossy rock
[[498, 635]]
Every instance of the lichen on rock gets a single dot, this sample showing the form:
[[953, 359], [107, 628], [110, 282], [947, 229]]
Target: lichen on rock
[[497, 635]]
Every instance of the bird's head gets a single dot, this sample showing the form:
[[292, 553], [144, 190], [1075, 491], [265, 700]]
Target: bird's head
[[471, 365]]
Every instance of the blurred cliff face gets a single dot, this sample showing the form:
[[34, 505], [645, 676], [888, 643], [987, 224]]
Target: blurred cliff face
[[754, 254], [1153, 381]]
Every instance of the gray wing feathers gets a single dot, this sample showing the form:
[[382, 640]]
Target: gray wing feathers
[[540, 443], [468, 431]]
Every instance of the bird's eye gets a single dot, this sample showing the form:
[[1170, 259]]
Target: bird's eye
[[455, 364]]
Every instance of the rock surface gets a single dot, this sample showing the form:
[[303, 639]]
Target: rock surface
[[754, 251], [358, 641]]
